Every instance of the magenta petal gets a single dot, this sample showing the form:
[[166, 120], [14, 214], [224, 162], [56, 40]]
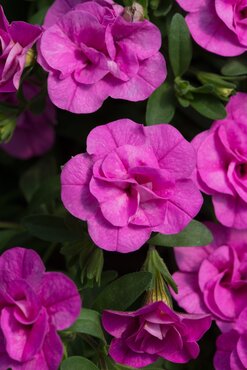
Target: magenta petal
[[20, 263], [3, 20], [75, 194], [189, 261], [60, 296], [103, 139], [124, 355], [192, 6], [76, 98], [142, 37], [182, 207], [58, 9], [212, 161], [33, 136], [196, 325], [52, 350], [121, 239], [151, 74], [230, 211], [212, 34], [115, 323], [172, 150], [23, 342], [24, 33], [189, 296]]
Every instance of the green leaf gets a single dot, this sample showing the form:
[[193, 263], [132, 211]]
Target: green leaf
[[123, 292], [78, 363], [38, 18], [195, 234], [179, 44], [235, 68], [88, 323], [48, 191], [33, 178], [161, 105], [48, 228], [209, 106]]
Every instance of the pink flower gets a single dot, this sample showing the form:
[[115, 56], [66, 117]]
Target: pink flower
[[34, 304], [222, 163], [154, 331], [15, 41], [91, 52], [133, 180], [218, 26], [213, 279], [34, 134], [231, 347]]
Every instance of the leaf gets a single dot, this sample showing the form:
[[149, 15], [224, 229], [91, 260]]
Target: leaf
[[48, 228], [209, 106], [32, 179], [48, 191], [195, 234], [234, 68], [88, 323], [179, 44], [123, 292], [78, 363], [161, 105]]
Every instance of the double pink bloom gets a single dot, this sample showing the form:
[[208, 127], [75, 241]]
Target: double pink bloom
[[34, 304], [133, 180], [91, 52]]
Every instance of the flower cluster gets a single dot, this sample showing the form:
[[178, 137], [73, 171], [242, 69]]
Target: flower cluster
[[131, 182]]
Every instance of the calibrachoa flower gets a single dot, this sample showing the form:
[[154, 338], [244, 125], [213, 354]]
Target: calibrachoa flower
[[213, 279], [218, 26], [15, 41], [34, 134], [231, 347], [34, 304], [222, 163], [154, 331], [133, 180], [91, 52]]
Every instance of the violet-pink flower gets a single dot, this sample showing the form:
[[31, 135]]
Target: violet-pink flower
[[15, 41], [218, 26], [222, 163], [34, 304], [231, 346], [154, 331], [133, 180], [92, 52], [213, 279], [34, 133]]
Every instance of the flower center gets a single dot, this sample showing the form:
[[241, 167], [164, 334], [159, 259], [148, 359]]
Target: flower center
[[242, 170]]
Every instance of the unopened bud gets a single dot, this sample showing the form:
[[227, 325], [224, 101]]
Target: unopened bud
[[134, 13], [30, 58]]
